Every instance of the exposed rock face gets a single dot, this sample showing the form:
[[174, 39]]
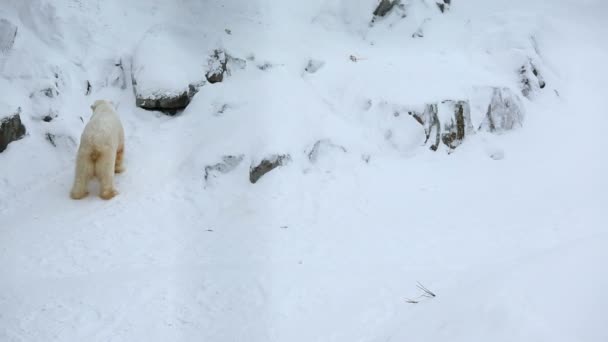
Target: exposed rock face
[[505, 111], [531, 80], [267, 165], [384, 7], [8, 33], [448, 122], [458, 125], [11, 129]]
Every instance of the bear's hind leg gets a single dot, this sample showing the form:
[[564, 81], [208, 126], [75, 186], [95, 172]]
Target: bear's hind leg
[[118, 167], [104, 170], [85, 169]]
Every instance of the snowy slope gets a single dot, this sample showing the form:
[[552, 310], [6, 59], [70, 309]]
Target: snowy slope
[[508, 230]]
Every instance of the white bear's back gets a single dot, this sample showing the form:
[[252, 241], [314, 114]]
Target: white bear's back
[[103, 128]]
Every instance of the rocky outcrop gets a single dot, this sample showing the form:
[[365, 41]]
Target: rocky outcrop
[[443, 5], [217, 67], [531, 79], [447, 122], [11, 129], [266, 165], [505, 111], [8, 33]]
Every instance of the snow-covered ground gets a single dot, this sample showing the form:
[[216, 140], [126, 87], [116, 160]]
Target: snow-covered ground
[[509, 231]]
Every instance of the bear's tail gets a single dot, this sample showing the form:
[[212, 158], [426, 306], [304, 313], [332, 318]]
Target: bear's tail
[[94, 155]]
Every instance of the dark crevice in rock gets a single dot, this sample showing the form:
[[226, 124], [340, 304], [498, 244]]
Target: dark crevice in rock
[[89, 88]]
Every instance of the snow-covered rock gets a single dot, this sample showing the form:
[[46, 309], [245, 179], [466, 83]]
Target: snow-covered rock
[[457, 123], [168, 63], [313, 66], [531, 79], [448, 122], [323, 147], [227, 164], [505, 111], [8, 32], [217, 66]]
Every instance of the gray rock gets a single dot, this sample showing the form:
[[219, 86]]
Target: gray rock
[[11, 129], [8, 33], [505, 111], [267, 165], [167, 104], [384, 7]]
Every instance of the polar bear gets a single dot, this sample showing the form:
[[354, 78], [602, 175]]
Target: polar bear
[[101, 150]]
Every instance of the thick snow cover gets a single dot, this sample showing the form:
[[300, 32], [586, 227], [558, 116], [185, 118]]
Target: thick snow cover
[[508, 230]]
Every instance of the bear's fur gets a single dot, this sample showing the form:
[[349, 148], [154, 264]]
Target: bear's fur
[[101, 150]]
